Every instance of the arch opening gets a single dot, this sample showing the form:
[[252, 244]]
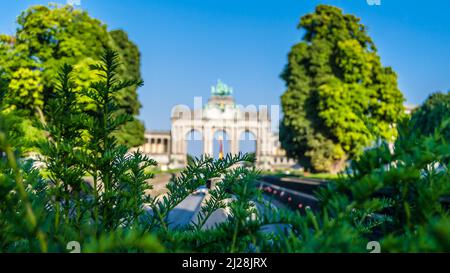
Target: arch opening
[[194, 144], [247, 142]]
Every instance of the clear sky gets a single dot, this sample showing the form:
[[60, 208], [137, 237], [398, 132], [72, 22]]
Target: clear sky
[[187, 45]]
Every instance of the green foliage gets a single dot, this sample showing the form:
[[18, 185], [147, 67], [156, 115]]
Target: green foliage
[[396, 197], [18, 222], [47, 38], [339, 97], [196, 174], [94, 192], [26, 88], [64, 127], [131, 133], [105, 160], [394, 194], [231, 236], [109, 214], [63, 206], [432, 114], [401, 190]]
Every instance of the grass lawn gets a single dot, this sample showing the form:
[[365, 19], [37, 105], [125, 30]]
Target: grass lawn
[[300, 174]]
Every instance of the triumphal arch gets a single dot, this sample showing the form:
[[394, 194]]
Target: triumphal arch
[[220, 119]]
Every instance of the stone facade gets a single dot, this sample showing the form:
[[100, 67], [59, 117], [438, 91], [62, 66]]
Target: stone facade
[[220, 114]]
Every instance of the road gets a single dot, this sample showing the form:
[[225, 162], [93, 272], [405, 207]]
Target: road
[[295, 193], [279, 197], [184, 213], [298, 184]]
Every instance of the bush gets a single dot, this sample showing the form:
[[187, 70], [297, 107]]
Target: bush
[[394, 195], [110, 213]]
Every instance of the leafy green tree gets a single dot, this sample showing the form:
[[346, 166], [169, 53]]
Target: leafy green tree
[[339, 97], [22, 76], [26, 88], [47, 38], [131, 134], [432, 114]]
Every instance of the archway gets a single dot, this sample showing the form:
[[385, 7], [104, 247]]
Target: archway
[[221, 138], [194, 144], [247, 142]]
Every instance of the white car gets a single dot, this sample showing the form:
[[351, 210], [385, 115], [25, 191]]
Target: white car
[[201, 190]]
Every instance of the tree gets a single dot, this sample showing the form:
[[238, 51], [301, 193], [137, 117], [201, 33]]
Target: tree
[[339, 97], [433, 114], [131, 134], [47, 38]]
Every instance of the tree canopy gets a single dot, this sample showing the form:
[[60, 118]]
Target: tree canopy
[[339, 96], [433, 114], [48, 37]]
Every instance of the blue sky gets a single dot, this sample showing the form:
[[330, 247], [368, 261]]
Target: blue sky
[[187, 45]]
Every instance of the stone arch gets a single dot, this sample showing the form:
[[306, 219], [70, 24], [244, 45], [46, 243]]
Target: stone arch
[[252, 131], [186, 133]]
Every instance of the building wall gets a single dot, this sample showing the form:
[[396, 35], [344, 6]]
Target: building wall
[[219, 114]]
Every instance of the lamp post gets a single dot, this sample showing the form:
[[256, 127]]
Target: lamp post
[[220, 148]]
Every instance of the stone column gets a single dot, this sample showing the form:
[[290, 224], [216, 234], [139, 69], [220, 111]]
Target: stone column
[[207, 140], [235, 138], [259, 141], [160, 147], [145, 148], [152, 145], [205, 134], [183, 140], [176, 138], [264, 140]]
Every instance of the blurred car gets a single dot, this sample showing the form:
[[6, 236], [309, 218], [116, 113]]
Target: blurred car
[[201, 190]]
